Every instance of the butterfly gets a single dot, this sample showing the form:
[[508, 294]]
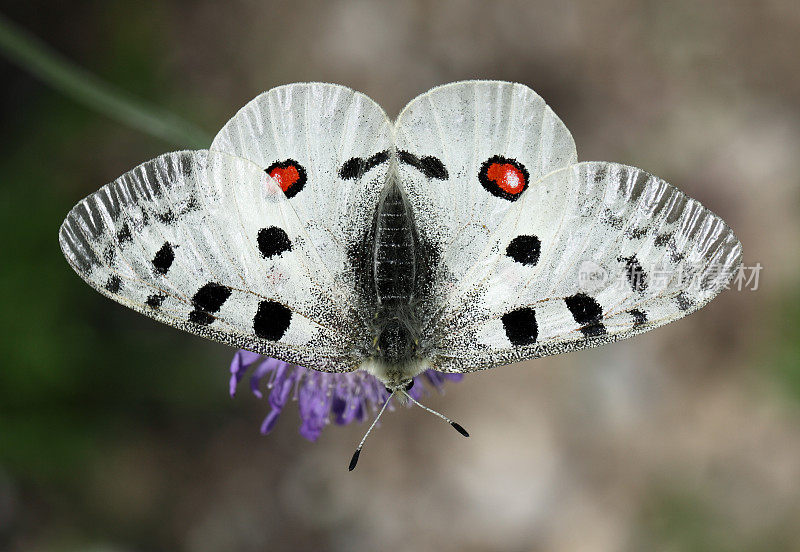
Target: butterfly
[[318, 231]]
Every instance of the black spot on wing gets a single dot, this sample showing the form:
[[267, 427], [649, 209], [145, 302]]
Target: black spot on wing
[[109, 253], [521, 327], [377, 159], [662, 240], [683, 301], [167, 217], [355, 167], [668, 240], [587, 312], [639, 317], [352, 168], [208, 299], [634, 273], [525, 249], [273, 241], [113, 284], [201, 317], [271, 320], [170, 216], [163, 259], [124, 234], [154, 301], [674, 255], [584, 309], [192, 205], [211, 296], [612, 220], [430, 166], [593, 329], [408, 158]]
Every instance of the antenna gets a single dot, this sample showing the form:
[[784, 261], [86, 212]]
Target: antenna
[[457, 427], [357, 453]]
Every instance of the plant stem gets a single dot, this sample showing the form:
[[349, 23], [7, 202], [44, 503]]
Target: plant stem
[[52, 68]]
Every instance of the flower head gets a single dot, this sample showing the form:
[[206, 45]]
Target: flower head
[[321, 396]]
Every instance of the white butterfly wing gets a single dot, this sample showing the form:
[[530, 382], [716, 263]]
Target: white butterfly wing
[[258, 242], [217, 244], [180, 238], [342, 140], [514, 219], [594, 253], [466, 125]]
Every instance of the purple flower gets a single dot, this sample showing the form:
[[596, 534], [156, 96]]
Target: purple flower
[[321, 396]]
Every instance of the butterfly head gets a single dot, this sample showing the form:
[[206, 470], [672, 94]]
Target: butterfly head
[[394, 358], [400, 391], [396, 378], [404, 385]]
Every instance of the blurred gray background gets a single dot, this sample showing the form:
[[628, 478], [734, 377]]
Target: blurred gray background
[[117, 434]]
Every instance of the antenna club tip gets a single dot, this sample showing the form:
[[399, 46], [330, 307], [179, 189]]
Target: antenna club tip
[[354, 460], [460, 429]]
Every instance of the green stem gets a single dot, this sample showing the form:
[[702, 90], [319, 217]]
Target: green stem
[[48, 65]]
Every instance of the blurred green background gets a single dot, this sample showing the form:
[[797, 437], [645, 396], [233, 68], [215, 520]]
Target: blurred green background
[[117, 434]]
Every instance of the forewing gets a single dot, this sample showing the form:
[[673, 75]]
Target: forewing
[[208, 243], [454, 142], [594, 253], [342, 141]]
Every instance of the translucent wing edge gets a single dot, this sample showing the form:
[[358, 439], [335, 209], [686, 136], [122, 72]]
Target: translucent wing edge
[[548, 110], [252, 115]]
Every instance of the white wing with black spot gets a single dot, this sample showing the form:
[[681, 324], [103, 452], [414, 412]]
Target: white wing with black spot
[[515, 222], [262, 241], [595, 252], [329, 148], [247, 243], [466, 152]]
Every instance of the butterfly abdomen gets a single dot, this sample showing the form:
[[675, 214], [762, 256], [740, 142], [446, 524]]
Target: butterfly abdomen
[[394, 261], [394, 267]]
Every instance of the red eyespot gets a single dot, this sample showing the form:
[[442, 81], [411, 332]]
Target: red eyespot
[[507, 176], [503, 177], [289, 175]]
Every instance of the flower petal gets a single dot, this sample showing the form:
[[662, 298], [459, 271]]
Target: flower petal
[[347, 409], [269, 365], [269, 422], [314, 403], [342, 397], [286, 376], [239, 365], [417, 390]]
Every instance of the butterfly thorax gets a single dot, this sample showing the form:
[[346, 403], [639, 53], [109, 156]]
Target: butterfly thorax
[[394, 253]]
